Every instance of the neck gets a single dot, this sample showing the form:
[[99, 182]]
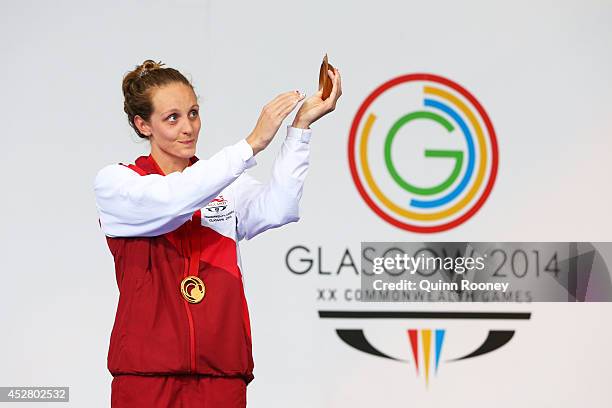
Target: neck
[[167, 163]]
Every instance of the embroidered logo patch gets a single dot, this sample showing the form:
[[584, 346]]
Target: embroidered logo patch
[[217, 210]]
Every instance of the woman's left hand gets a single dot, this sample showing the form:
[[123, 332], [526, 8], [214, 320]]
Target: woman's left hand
[[315, 107]]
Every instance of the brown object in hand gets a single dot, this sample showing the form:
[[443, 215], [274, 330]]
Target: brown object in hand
[[325, 81]]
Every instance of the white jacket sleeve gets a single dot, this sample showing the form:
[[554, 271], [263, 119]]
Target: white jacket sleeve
[[133, 205], [260, 207]]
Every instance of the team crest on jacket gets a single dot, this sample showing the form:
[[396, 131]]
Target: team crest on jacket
[[217, 210]]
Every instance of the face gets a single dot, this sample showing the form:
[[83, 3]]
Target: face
[[174, 125]]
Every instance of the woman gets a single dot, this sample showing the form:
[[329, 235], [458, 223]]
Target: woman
[[181, 335]]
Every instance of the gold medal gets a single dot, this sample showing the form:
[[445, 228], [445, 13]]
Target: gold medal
[[193, 289]]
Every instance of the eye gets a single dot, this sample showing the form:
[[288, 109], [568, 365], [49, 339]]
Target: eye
[[194, 113], [172, 117]]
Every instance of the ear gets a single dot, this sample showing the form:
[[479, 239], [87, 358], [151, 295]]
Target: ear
[[143, 126]]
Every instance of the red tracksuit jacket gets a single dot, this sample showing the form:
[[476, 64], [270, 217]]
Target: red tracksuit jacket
[[162, 228]]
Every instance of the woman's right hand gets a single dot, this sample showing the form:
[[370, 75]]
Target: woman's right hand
[[270, 119]]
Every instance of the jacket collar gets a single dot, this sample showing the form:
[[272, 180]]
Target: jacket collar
[[149, 165]]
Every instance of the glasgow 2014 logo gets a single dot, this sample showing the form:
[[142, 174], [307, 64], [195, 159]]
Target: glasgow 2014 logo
[[422, 347], [429, 191]]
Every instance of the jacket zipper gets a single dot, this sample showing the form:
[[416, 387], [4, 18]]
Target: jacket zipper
[[192, 359]]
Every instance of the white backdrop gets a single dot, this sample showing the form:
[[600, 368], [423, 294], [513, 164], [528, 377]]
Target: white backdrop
[[541, 69]]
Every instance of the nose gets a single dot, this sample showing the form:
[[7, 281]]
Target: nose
[[187, 129]]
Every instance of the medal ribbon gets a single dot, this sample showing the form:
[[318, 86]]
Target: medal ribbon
[[194, 244]]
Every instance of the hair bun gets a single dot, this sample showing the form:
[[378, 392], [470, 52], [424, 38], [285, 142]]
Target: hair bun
[[147, 66]]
